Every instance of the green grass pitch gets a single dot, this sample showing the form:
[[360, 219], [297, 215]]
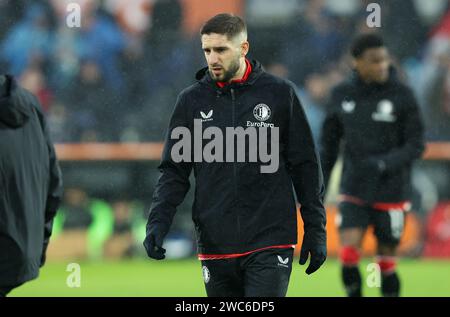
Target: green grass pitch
[[183, 278]]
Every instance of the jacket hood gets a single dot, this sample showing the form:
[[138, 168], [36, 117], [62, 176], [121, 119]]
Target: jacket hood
[[204, 77], [14, 108]]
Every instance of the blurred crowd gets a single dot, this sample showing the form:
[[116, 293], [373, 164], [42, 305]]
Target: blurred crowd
[[116, 77], [108, 80]]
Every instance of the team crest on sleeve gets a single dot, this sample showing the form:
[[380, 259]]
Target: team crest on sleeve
[[262, 112]]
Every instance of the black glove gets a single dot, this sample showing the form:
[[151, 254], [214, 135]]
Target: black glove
[[318, 253], [153, 244]]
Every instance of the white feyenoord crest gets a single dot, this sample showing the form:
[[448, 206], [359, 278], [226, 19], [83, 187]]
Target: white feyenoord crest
[[206, 274], [262, 112], [282, 262], [206, 117], [385, 109], [348, 106]]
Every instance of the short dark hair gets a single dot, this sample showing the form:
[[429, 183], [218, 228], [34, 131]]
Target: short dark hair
[[224, 23], [364, 42]]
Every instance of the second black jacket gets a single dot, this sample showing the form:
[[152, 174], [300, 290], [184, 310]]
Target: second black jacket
[[381, 131]]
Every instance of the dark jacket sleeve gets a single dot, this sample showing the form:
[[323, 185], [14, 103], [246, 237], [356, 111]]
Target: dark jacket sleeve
[[173, 183], [305, 171], [330, 140], [413, 136], [55, 189]]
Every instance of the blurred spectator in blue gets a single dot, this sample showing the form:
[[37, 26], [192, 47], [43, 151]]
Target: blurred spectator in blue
[[166, 48], [93, 107], [313, 96], [60, 124], [66, 59], [10, 12], [316, 39], [135, 68], [34, 80], [29, 42], [168, 68], [101, 40]]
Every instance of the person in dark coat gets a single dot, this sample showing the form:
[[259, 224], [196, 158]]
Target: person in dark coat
[[245, 218], [375, 120], [30, 186]]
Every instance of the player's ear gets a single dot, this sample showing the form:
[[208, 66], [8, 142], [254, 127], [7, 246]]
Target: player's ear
[[245, 47]]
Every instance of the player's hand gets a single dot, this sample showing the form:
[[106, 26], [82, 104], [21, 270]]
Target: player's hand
[[318, 252], [153, 244]]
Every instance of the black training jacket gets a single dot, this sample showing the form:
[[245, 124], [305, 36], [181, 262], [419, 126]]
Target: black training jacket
[[236, 208], [30, 185], [382, 134]]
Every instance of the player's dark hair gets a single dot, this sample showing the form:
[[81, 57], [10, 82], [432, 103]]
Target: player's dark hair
[[225, 24], [364, 42]]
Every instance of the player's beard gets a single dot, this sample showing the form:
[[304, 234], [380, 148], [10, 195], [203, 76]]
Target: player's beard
[[227, 74]]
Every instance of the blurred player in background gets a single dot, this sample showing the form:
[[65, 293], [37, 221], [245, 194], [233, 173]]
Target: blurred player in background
[[30, 186], [377, 120], [246, 221]]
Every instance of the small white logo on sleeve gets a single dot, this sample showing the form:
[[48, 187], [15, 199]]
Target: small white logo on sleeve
[[206, 274], [282, 262]]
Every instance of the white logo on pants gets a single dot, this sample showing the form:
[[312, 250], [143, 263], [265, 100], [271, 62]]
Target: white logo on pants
[[397, 222], [282, 262], [206, 274]]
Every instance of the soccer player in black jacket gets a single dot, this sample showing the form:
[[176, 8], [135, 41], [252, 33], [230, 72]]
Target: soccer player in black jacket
[[30, 186], [245, 219], [375, 119]]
